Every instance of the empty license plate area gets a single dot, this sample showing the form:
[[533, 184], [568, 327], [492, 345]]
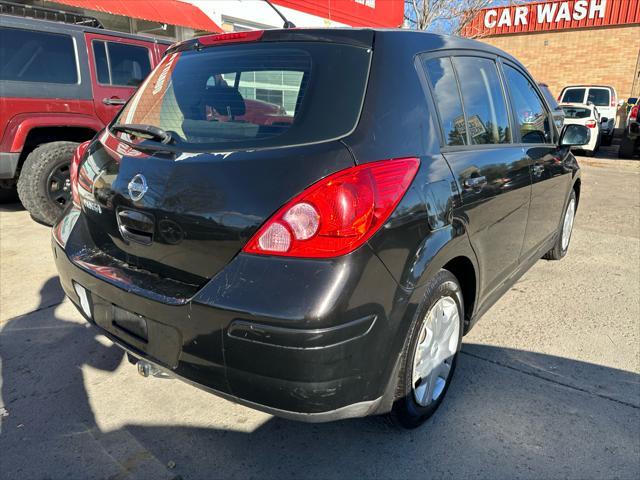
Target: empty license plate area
[[132, 324], [157, 341]]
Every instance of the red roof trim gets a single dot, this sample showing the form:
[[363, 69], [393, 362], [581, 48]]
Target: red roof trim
[[172, 12]]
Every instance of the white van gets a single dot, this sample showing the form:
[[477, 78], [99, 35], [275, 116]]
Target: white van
[[602, 96]]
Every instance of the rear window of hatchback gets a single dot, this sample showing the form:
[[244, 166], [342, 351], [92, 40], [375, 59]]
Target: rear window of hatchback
[[269, 94]]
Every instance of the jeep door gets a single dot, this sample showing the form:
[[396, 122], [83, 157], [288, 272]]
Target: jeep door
[[491, 170], [551, 179], [118, 66]]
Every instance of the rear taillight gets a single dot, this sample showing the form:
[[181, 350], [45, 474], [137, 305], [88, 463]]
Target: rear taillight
[[590, 124], [73, 171], [338, 214], [633, 115], [613, 101], [234, 37]]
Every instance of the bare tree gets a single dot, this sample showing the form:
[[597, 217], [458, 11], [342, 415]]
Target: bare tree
[[446, 16]]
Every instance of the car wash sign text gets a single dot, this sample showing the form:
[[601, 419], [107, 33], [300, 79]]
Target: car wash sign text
[[553, 15]]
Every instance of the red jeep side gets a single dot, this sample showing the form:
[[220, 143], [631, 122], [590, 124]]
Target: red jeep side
[[60, 84]]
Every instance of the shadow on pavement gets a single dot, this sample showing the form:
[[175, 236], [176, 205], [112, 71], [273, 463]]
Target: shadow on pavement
[[508, 414], [11, 206]]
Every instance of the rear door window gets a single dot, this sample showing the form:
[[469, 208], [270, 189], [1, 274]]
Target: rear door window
[[254, 95], [576, 112], [120, 64], [483, 100], [532, 117], [42, 57], [600, 97], [573, 95], [447, 98]]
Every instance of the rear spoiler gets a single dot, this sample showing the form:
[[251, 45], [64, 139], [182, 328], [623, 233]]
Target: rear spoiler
[[356, 37]]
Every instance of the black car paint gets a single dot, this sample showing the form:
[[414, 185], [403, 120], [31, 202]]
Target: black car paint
[[310, 336]]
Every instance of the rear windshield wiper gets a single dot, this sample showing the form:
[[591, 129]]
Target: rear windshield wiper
[[148, 132]]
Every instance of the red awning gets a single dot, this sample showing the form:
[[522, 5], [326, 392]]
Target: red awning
[[172, 12]]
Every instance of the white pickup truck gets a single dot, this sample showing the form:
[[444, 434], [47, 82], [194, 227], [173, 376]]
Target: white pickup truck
[[603, 97]]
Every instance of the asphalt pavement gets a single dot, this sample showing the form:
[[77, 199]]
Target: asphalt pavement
[[547, 386]]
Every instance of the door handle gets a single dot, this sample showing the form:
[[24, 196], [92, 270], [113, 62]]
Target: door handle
[[538, 169], [113, 101], [475, 182]]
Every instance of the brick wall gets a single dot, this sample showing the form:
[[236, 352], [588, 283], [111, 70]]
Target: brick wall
[[607, 56]]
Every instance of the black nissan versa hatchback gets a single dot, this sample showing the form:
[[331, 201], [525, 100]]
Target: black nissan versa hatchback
[[308, 221]]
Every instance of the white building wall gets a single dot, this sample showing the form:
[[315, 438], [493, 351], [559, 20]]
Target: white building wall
[[256, 14]]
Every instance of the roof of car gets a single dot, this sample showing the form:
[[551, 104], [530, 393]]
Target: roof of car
[[588, 86], [37, 24], [421, 41]]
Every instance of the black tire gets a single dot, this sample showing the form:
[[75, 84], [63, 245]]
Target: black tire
[[627, 147], [407, 412], [558, 252], [589, 153], [44, 196]]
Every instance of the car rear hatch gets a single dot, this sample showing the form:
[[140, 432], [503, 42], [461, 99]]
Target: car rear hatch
[[184, 205]]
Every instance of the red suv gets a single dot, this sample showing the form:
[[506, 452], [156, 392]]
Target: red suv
[[60, 84]]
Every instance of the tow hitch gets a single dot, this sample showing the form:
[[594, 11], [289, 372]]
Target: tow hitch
[[147, 369]]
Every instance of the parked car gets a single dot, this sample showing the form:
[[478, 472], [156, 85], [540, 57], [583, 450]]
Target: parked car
[[630, 144], [631, 101], [556, 110], [60, 84], [603, 97], [325, 267], [587, 115]]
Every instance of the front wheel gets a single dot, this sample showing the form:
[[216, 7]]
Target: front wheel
[[44, 186], [561, 246], [430, 353]]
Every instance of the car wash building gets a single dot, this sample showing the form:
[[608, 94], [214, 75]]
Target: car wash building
[[569, 42]]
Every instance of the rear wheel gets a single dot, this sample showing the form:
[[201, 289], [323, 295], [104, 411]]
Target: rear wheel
[[430, 353], [561, 246], [44, 185]]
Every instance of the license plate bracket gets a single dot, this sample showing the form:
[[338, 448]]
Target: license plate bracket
[[132, 323]]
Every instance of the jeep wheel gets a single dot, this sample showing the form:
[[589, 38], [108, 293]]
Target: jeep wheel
[[44, 187]]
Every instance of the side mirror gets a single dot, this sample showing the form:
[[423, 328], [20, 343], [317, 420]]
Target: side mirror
[[604, 120], [575, 135]]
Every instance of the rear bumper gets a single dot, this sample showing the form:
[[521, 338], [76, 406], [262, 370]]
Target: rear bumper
[[8, 164], [307, 340]]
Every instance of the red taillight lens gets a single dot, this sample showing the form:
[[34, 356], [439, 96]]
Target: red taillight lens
[[338, 214], [591, 124], [633, 115], [234, 37], [73, 171], [613, 101]]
